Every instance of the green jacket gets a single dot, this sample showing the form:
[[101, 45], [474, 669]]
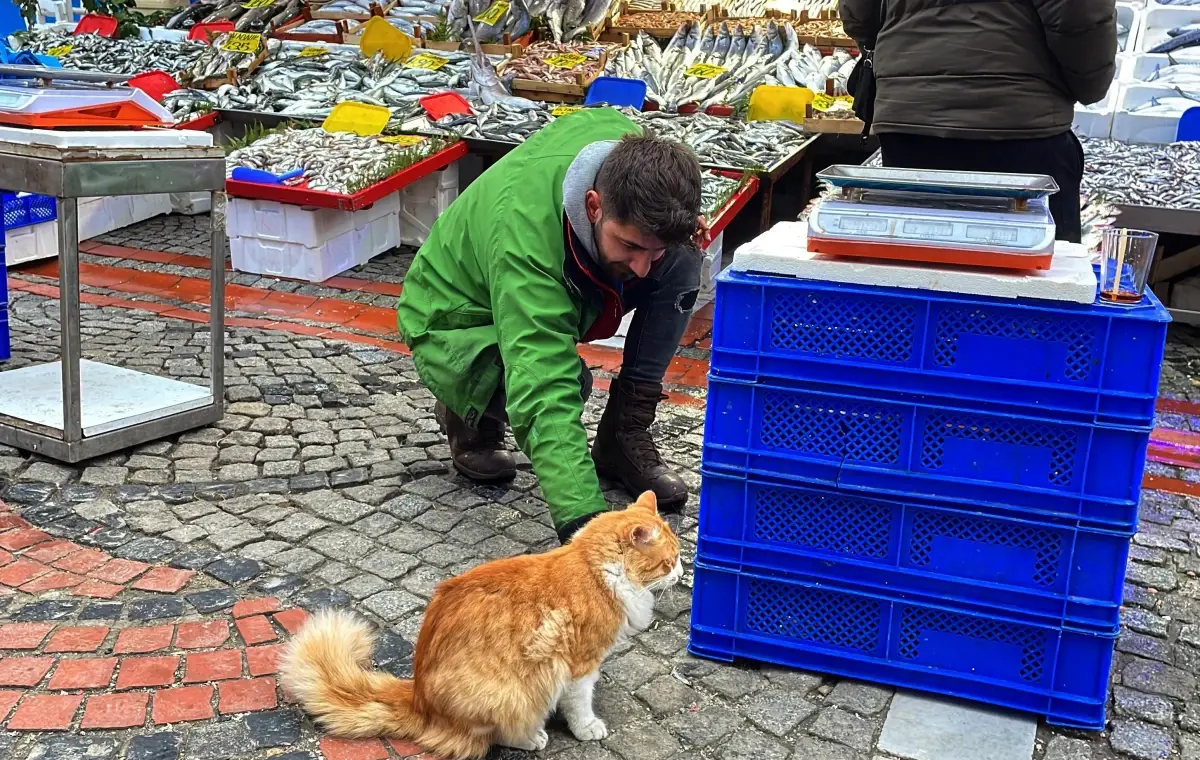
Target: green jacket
[[489, 288]]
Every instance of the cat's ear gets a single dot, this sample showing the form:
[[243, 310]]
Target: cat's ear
[[643, 535], [647, 501]]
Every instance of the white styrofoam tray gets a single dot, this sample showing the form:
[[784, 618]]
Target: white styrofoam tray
[[783, 250], [1133, 17], [134, 138], [276, 258], [307, 226], [1144, 127], [1159, 20], [96, 216], [423, 201], [1095, 121]]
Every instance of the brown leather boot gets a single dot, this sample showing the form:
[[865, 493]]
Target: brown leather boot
[[624, 449], [478, 453]]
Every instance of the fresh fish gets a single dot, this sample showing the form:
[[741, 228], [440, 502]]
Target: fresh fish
[[129, 56], [1181, 30], [1185, 40], [725, 142]]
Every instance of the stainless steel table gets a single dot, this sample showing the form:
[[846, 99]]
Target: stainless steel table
[[76, 409]]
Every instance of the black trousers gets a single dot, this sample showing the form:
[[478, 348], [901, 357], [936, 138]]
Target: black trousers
[[1061, 157]]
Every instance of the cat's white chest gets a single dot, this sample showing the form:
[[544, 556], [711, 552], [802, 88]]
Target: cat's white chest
[[637, 602]]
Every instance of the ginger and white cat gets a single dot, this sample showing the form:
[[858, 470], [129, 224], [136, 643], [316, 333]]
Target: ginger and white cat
[[502, 645]]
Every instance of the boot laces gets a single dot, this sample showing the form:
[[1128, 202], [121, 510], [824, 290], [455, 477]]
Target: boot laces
[[640, 414], [489, 434]]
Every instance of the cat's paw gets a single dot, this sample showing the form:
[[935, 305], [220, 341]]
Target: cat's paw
[[540, 740], [590, 731]]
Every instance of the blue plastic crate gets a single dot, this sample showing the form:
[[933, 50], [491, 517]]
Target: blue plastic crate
[[1061, 570], [904, 640], [25, 209], [1099, 360], [917, 446]]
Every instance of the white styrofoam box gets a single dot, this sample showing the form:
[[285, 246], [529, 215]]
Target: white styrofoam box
[[1132, 17], [422, 202], [31, 243], [710, 269], [1143, 127], [1159, 20], [1096, 120], [318, 263], [133, 139], [191, 203], [304, 225], [783, 250]]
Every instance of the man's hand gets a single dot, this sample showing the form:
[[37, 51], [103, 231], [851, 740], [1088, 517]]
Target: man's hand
[[701, 239]]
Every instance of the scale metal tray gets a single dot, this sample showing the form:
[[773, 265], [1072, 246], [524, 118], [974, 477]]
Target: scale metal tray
[[989, 184]]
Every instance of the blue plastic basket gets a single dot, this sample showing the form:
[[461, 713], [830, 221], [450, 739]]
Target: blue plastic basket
[[1061, 570], [1099, 360], [915, 446], [905, 640], [25, 209]]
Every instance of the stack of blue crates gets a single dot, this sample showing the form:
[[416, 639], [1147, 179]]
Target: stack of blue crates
[[930, 490]]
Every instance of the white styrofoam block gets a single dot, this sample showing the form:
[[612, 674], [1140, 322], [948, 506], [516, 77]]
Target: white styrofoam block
[[1161, 19], [191, 203], [307, 226], [711, 267], [1144, 127], [783, 250], [31, 243], [132, 139], [1096, 120], [316, 263], [95, 216], [1132, 17], [1139, 68], [423, 201]]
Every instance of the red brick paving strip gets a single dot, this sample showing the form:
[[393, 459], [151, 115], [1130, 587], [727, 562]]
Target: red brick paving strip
[[7, 700], [82, 561], [256, 630], [404, 749], [142, 640], [52, 550], [248, 607], [52, 582], [119, 571], [45, 712], [21, 572], [81, 639], [24, 635], [97, 589], [83, 674], [213, 666], [263, 661], [208, 635], [115, 710], [184, 703], [21, 538], [164, 580], [292, 619], [24, 671], [353, 749], [246, 695], [135, 672]]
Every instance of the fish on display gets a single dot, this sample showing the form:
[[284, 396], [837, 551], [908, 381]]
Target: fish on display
[[725, 142], [1169, 105], [1183, 40], [1143, 174], [129, 56], [216, 62], [1176, 74], [715, 192], [532, 63]]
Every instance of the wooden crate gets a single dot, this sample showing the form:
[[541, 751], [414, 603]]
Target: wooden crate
[[619, 24], [555, 92]]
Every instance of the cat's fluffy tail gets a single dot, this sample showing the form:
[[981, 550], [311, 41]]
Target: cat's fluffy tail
[[325, 669]]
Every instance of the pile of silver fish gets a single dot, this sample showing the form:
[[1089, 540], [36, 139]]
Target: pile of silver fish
[[186, 104], [215, 62], [715, 191], [498, 122], [533, 62], [91, 52], [1149, 175], [725, 142], [316, 26], [1186, 76], [351, 8], [260, 20], [309, 87], [742, 59], [748, 8], [333, 162]]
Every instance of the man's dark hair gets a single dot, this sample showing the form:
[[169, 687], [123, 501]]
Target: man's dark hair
[[653, 184]]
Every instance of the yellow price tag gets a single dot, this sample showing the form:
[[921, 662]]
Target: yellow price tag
[[564, 110], [426, 61], [403, 140], [250, 4], [494, 13], [58, 51], [822, 102], [704, 71], [847, 99], [566, 60], [312, 51], [242, 42]]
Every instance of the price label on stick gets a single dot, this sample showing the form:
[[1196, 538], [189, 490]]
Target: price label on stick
[[251, 4], [426, 61], [704, 71], [58, 51], [494, 13], [822, 102], [403, 141], [847, 99], [313, 51], [242, 42], [558, 111], [566, 60]]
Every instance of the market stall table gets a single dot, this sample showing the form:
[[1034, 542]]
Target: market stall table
[[76, 409]]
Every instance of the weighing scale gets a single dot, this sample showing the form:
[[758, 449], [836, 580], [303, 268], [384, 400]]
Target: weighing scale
[[53, 98], [942, 217]]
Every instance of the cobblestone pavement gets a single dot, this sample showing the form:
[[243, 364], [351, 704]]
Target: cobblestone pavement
[[142, 595]]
